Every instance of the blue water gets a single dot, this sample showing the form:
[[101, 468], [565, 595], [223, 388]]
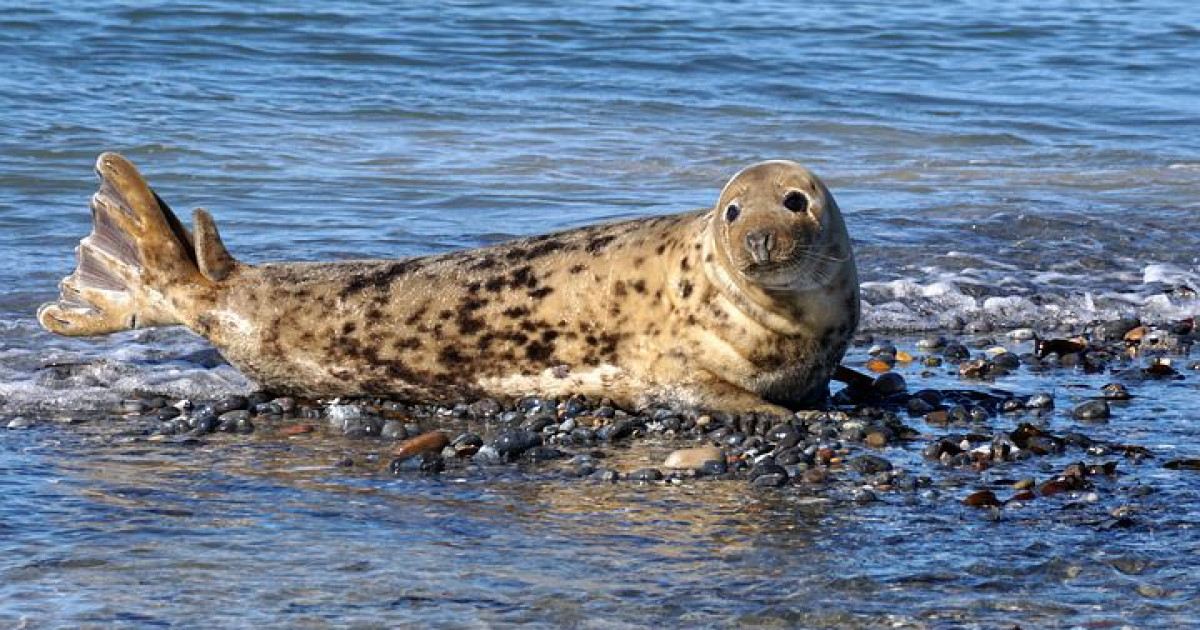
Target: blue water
[[1000, 164]]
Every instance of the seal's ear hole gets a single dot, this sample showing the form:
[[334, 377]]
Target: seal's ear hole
[[732, 212], [796, 201]]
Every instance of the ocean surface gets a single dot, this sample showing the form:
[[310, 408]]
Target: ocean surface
[[1000, 165]]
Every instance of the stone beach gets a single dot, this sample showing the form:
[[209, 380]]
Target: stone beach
[[885, 437]]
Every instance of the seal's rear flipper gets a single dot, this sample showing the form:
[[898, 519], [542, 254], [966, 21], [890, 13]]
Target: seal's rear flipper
[[134, 262]]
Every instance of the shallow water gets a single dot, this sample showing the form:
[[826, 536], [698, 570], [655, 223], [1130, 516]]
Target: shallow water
[[1004, 164]]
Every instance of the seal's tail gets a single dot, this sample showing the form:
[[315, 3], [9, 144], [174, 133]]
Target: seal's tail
[[138, 264]]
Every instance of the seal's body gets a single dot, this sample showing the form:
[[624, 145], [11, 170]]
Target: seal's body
[[745, 307]]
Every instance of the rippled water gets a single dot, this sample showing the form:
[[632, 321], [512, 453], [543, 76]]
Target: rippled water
[[1011, 163]]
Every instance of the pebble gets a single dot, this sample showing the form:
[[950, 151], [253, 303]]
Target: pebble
[[876, 439], [645, 475], [768, 474], [510, 443], [1040, 401], [432, 442], [1022, 334], [1092, 410], [693, 458], [466, 445], [889, 383], [1116, 391], [869, 464], [17, 424], [982, 499], [393, 430], [229, 403], [621, 427], [863, 496]]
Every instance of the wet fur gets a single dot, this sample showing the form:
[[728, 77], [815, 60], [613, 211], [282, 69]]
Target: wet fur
[[646, 311]]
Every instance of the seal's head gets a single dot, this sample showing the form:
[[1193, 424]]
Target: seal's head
[[778, 226]]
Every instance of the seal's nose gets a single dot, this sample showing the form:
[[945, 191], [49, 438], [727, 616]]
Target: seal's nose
[[759, 243]]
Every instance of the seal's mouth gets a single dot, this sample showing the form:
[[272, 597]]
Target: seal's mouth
[[802, 269]]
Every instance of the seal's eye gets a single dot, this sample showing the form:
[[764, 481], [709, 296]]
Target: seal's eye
[[732, 212], [796, 201]]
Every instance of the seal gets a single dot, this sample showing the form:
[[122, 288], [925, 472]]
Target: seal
[[744, 307]]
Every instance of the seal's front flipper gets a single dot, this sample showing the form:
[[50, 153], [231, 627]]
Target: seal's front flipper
[[133, 263]]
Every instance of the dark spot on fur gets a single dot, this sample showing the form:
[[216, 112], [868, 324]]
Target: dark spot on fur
[[349, 328], [445, 314], [597, 244], [473, 287], [619, 288], [407, 343], [549, 336], [523, 277], [547, 246], [487, 262], [685, 288], [516, 253], [538, 294], [379, 279], [513, 312], [708, 258], [528, 326], [538, 351], [473, 304], [662, 247], [494, 284], [639, 285], [416, 315], [575, 269], [684, 264], [374, 315], [450, 356]]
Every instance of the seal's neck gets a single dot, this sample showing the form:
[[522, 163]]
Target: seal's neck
[[775, 312]]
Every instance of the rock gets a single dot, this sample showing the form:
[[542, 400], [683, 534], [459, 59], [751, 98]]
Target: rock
[[869, 464], [693, 458], [244, 425], [393, 430], [889, 383], [863, 496], [982, 499], [954, 351], [229, 403], [619, 428], [339, 415], [512, 442], [229, 421], [645, 475], [768, 474], [1022, 334], [466, 445], [484, 408], [1116, 391], [876, 439], [297, 429], [1175, 464], [432, 442], [487, 454], [1092, 410], [1040, 401], [931, 343], [713, 467], [18, 424], [543, 454]]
